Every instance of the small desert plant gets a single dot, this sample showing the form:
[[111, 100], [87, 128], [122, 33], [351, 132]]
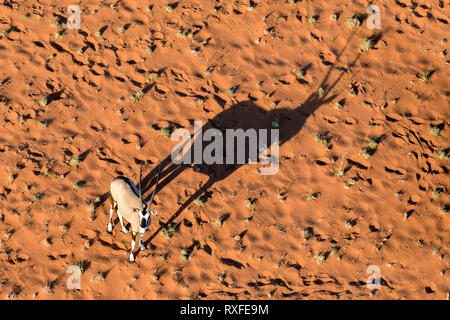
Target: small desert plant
[[320, 258], [251, 6], [436, 193], [218, 222], [168, 232], [346, 209], [426, 76], [152, 77], [38, 196], [209, 70], [44, 124], [58, 34], [338, 173], [321, 92], [43, 102], [98, 277], [6, 32], [443, 154], [74, 161], [435, 131], [199, 101], [199, 202], [311, 197], [373, 144], [308, 233], [366, 45], [322, 138], [350, 183], [137, 96], [169, 7], [78, 185], [350, 223], [48, 287], [366, 152], [299, 73], [185, 254], [100, 32], [150, 48], [231, 91], [166, 132], [250, 203], [222, 277], [353, 22], [312, 19], [47, 242], [335, 15], [334, 250], [339, 105]]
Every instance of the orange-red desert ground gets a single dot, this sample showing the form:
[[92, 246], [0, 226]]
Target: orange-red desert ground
[[363, 181]]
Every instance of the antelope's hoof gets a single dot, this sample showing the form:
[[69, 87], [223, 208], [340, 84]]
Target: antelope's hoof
[[124, 230], [110, 228], [131, 258], [142, 247]]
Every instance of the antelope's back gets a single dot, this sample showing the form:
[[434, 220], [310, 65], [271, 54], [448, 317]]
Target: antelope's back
[[121, 185], [125, 193]]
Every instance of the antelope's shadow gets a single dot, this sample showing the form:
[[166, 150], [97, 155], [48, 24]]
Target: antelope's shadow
[[243, 115]]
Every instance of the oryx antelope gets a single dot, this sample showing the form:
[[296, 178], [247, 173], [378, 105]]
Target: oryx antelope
[[128, 202]]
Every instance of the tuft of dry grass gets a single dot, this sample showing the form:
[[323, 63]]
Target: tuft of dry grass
[[352, 22], [426, 76], [168, 232], [48, 287], [98, 277], [367, 44], [47, 242], [74, 161], [320, 258], [308, 233]]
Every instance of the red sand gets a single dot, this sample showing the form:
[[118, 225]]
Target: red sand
[[387, 209]]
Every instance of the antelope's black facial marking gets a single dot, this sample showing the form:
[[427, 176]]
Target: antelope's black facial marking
[[144, 223]]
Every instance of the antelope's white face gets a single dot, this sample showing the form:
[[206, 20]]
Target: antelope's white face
[[145, 219]]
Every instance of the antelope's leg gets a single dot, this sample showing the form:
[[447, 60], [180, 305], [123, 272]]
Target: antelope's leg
[[124, 230], [111, 210], [133, 242], [141, 245]]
